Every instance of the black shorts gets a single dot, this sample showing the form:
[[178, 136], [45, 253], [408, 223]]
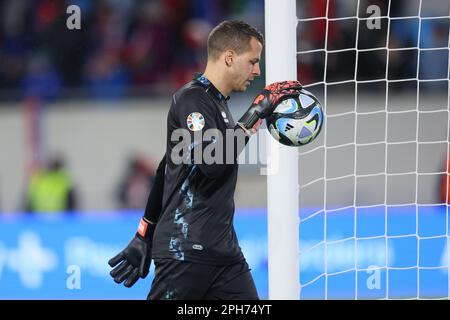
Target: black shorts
[[181, 280]]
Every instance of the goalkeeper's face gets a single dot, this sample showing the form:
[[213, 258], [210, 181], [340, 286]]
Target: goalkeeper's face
[[246, 66]]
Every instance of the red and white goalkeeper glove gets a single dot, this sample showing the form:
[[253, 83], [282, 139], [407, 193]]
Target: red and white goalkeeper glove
[[265, 102]]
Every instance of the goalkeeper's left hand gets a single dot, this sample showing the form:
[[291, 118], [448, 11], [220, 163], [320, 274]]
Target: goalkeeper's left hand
[[265, 102], [134, 261]]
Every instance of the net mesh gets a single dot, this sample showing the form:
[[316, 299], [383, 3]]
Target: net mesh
[[373, 205]]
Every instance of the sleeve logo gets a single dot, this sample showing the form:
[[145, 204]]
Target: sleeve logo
[[195, 121]]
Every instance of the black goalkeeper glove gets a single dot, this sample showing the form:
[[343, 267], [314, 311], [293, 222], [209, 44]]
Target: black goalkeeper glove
[[135, 259], [265, 102]]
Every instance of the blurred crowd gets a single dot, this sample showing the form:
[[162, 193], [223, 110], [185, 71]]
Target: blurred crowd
[[149, 46], [132, 47], [344, 34]]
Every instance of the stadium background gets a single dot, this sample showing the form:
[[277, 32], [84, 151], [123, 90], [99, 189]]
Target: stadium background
[[99, 96]]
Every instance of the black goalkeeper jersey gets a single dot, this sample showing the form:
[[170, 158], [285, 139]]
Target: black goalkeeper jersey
[[196, 221]]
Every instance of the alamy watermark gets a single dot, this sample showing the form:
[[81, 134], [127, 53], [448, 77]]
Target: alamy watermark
[[73, 281], [374, 20], [215, 147], [73, 22], [373, 281]]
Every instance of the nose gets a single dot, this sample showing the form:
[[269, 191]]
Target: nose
[[256, 70]]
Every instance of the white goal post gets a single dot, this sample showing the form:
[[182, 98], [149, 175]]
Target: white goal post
[[282, 202]]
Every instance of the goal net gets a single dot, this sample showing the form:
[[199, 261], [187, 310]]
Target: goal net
[[373, 217], [373, 214]]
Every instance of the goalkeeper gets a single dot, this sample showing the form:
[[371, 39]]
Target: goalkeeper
[[188, 227]]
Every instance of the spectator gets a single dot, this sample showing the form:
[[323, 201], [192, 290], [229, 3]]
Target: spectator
[[137, 184], [50, 189]]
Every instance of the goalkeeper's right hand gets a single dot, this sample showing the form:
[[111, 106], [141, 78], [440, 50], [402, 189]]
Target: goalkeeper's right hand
[[134, 261], [265, 102]]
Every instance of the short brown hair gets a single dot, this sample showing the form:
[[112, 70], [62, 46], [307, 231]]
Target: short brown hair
[[231, 34]]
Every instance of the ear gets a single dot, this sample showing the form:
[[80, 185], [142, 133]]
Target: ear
[[229, 57]]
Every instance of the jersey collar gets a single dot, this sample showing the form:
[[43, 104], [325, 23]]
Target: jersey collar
[[199, 77]]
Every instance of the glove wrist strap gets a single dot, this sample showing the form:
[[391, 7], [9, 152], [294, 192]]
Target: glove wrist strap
[[248, 120], [145, 229]]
